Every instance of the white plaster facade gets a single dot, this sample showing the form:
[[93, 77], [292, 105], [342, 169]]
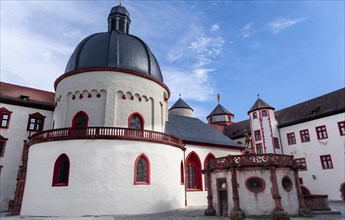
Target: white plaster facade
[[315, 178], [101, 180], [16, 133]]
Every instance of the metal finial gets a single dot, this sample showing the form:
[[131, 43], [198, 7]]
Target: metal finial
[[218, 97], [179, 95], [120, 2], [258, 95]]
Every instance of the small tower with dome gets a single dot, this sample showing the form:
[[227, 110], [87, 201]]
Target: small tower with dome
[[220, 115]]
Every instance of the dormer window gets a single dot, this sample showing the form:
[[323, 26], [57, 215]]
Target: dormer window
[[264, 113], [24, 98]]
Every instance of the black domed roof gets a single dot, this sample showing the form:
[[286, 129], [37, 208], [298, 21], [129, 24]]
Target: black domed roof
[[115, 48]]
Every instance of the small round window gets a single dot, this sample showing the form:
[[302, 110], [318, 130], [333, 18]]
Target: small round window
[[287, 183], [255, 184]]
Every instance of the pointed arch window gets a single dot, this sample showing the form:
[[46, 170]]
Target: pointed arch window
[[207, 159], [80, 120], [193, 172], [61, 171], [136, 121], [142, 170]]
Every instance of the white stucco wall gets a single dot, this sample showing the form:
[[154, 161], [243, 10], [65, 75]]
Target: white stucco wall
[[110, 109], [289, 200], [182, 111], [16, 133], [101, 180], [327, 181], [216, 198], [197, 198]]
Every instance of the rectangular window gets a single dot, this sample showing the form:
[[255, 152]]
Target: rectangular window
[[255, 115], [321, 132], [304, 135], [2, 145], [259, 149], [291, 138], [276, 143], [301, 162], [341, 126], [257, 135], [264, 113], [4, 120], [326, 162], [36, 122]]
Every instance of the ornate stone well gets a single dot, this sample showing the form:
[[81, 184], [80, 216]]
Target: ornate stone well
[[254, 185]]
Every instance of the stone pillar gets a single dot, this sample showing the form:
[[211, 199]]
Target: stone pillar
[[303, 210], [236, 213], [278, 212], [210, 210]]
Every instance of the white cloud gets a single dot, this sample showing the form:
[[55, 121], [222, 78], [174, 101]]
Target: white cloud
[[281, 23], [246, 31], [215, 27]]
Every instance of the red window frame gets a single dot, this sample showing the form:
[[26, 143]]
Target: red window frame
[[257, 135], [255, 115], [207, 159], [326, 162], [140, 117], [193, 172], [57, 171], [36, 122], [341, 126], [181, 173], [291, 138], [301, 161], [264, 113], [147, 180], [321, 132], [276, 143], [77, 117], [5, 116], [259, 148], [305, 137], [3, 145]]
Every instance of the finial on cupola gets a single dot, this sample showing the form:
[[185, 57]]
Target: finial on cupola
[[218, 97], [179, 95], [258, 95], [120, 2]]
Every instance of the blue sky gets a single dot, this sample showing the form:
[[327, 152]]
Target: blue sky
[[286, 51]]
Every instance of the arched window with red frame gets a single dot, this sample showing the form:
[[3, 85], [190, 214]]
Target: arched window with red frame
[[182, 173], [61, 171], [136, 121], [142, 170], [193, 172], [207, 159], [80, 120]]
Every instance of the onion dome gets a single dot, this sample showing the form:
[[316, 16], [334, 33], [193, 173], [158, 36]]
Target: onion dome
[[115, 49], [260, 104]]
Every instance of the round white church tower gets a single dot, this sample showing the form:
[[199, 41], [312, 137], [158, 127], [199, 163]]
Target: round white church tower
[[107, 153]]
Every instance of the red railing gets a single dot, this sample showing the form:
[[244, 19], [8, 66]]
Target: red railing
[[105, 133], [251, 160]]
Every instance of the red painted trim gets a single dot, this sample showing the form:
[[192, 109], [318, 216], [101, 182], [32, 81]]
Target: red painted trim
[[292, 134], [324, 158], [193, 159], [181, 173], [304, 133], [341, 125], [148, 170], [56, 170], [112, 69], [271, 130], [3, 112], [323, 129], [207, 158], [302, 162], [263, 184], [141, 118], [262, 133], [77, 115], [3, 140], [287, 178], [35, 116]]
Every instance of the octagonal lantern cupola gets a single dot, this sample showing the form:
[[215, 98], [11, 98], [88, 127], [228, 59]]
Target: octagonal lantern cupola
[[220, 115], [119, 20]]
